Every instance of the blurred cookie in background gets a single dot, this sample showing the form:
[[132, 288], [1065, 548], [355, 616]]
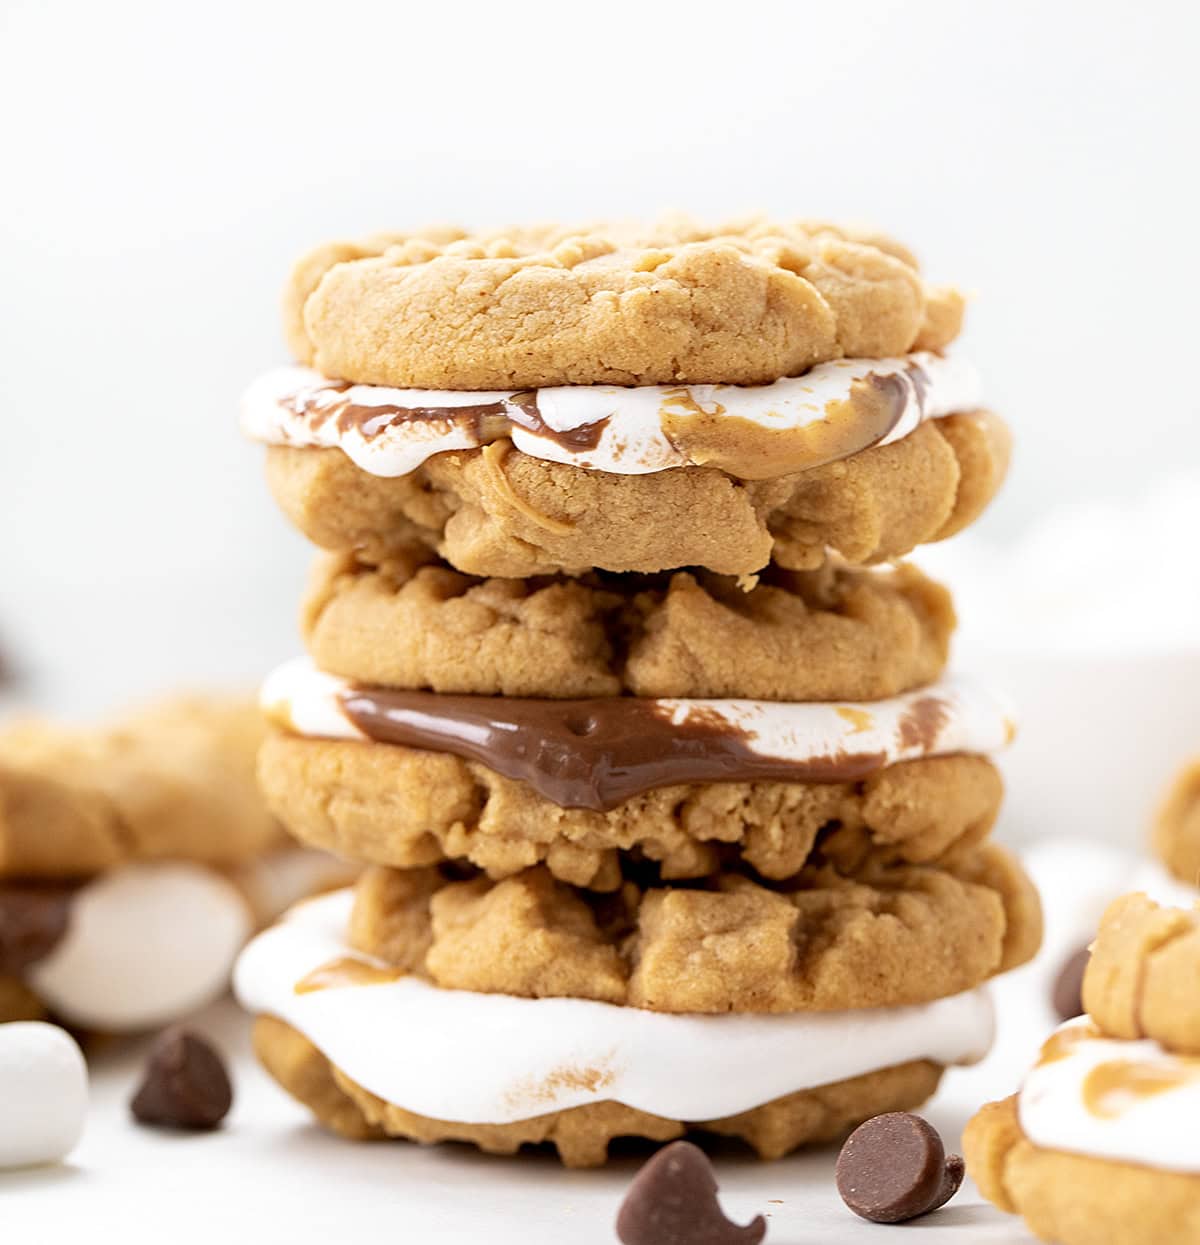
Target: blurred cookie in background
[[1177, 827], [135, 860], [1097, 1145]]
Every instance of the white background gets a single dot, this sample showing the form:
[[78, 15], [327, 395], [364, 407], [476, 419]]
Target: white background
[[165, 163]]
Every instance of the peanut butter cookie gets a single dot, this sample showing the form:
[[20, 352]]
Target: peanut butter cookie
[[1097, 1148], [175, 779], [620, 304], [824, 635], [500, 512], [1077, 1199], [883, 936], [409, 807]]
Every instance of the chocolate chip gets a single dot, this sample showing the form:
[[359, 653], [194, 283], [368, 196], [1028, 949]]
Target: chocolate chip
[[33, 920], [185, 1084], [1067, 993], [894, 1168], [673, 1201]]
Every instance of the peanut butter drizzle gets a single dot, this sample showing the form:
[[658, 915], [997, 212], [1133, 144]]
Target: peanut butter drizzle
[[1062, 1045], [860, 719], [746, 449], [1110, 1089], [345, 971], [593, 754], [494, 458]]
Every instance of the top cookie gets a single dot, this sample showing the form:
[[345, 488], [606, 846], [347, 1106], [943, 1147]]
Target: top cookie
[[624, 304]]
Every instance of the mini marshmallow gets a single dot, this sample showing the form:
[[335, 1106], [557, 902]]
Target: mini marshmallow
[[146, 945], [43, 1093]]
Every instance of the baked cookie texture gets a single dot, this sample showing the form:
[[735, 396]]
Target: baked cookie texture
[[828, 635], [1141, 979], [1177, 827], [823, 941], [1073, 1199], [619, 304], [175, 779], [1140, 983], [498, 512], [408, 807], [582, 1135]]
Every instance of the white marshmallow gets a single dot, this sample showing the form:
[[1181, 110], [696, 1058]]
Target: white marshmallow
[[418, 1046], [145, 945], [43, 1093], [294, 405], [1152, 1128]]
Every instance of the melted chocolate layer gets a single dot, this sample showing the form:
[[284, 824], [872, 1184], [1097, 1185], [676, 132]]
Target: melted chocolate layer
[[591, 754]]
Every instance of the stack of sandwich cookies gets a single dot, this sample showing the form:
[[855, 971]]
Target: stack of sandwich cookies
[[1098, 1147], [679, 847], [136, 858]]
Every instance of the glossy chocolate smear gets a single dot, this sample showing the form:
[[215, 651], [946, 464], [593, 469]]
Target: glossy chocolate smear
[[33, 921], [482, 421], [592, 754], [523, 410]]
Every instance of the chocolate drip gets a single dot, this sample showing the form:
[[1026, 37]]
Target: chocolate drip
[[593, 754], [483, 421], [523, 410]]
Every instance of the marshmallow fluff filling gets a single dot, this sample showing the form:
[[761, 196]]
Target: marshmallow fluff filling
[[836, 409], [1106, 1098], [418, 1046]]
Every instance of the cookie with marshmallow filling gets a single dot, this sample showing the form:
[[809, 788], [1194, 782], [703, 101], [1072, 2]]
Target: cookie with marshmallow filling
[[1098, 1147], [136, 858], [581, 1135], [500, 511], [631, 398]]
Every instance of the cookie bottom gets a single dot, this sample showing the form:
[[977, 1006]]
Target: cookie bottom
[[1073, 1199], [582, 1135], [506, 514], [408, 807]]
